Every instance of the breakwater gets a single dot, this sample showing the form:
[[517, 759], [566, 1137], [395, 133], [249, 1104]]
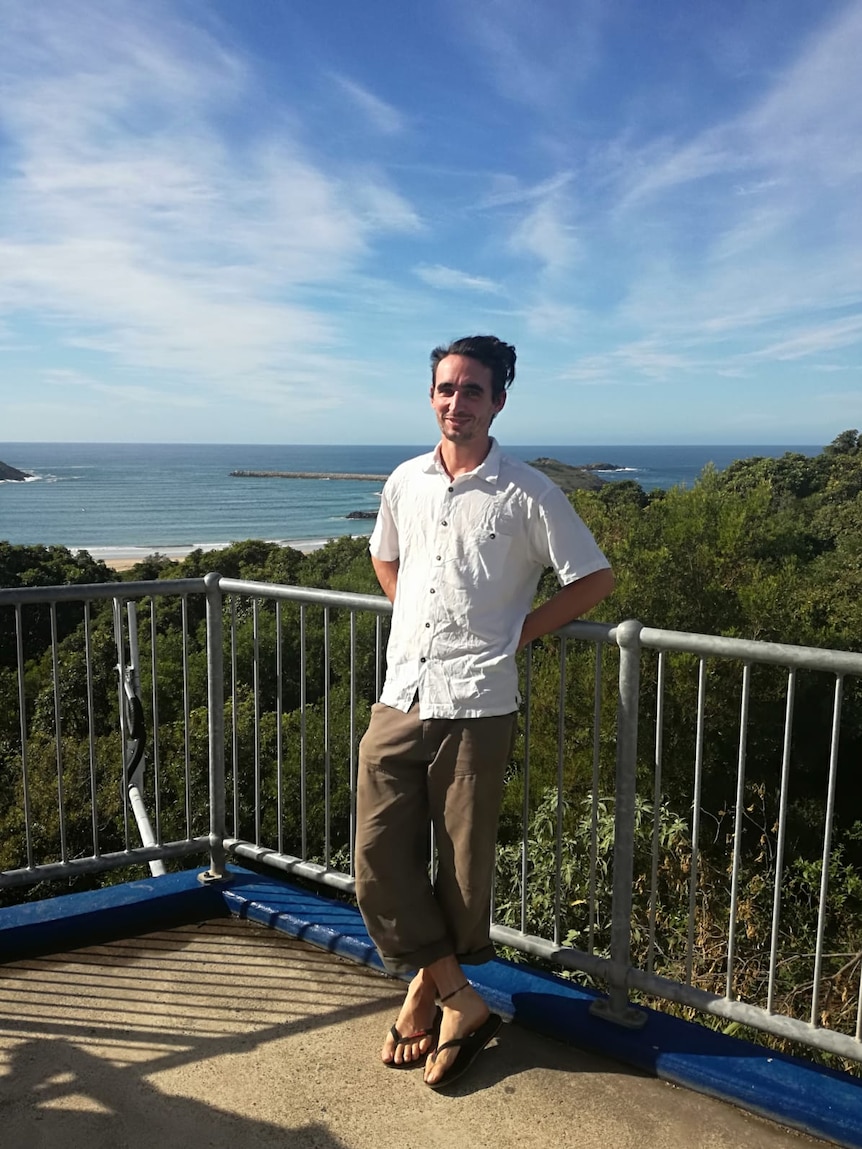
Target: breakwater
[[307, 475]]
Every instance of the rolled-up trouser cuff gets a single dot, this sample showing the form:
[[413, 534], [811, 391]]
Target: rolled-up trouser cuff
[[431, 954]]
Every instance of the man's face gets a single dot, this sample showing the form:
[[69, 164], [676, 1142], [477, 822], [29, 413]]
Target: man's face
[[462, 400]]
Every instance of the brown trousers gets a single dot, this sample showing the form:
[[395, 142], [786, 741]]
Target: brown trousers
[[445, 771]]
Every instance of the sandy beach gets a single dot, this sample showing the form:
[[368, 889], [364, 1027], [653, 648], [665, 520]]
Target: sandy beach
[[124, 558], [121, 564]]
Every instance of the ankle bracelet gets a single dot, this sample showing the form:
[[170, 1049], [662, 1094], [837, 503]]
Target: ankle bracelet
[[466, 985]]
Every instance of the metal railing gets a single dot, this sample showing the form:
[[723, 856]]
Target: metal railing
[[256, 697]]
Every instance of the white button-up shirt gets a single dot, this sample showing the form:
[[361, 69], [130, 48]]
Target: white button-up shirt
[[471, 551]]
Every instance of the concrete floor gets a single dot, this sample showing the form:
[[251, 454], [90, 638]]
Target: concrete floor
[[228, 1034]]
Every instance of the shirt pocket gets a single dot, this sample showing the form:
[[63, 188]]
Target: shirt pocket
[[487, 549]]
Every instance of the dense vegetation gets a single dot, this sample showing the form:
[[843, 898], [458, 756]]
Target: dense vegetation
[[769, 549]]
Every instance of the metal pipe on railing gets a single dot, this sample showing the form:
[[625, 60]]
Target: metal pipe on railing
[[782, 833], [525, 804], [279, 733], [92, 592], [617, 1007], [327, 743], [561, 752], [695, 818], [750, 650], [58, 733], [22, 716], [594, 797], [157, 761], [132, 725], [91, 730], [234, 722], [215, 704], [118, 859], [187, 717], [255, 672], [737, 828], [656, 807], [352, 764], [827, 848], [303, 729]]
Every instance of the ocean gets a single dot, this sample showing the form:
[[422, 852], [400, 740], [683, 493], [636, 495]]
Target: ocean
[[130, 500]]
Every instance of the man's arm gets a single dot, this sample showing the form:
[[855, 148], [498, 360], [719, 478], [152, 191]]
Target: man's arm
[[387, 576], [567, 604]]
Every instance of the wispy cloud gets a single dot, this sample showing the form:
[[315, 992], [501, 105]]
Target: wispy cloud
[[381, 115], [544, 234], [507, 190], [449, 279], [536, 53], [72, 384], [815, 340], [635, 362]]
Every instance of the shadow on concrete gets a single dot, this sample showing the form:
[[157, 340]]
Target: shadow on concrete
[[67, 1097]]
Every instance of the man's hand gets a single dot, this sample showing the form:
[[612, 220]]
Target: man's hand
[[566, 605]]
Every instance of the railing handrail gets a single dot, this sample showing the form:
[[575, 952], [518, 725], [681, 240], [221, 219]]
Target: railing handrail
[[80, 592], [753, 650], [349, 600]]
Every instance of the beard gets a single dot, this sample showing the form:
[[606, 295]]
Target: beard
[[461, 432]]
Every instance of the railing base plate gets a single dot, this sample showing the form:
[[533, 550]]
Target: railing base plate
[[629, 1018], [208, 878]]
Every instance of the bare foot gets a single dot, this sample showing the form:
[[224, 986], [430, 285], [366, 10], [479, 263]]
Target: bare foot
[[417, 1014], [463, 1013]]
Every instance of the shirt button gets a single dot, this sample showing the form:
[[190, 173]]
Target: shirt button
[[493, 536], [445, 524], [427, 624], [438, 558], [432, 591], [451, 488], [423, 659]]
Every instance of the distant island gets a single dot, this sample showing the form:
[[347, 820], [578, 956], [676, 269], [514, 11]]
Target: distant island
[[568, 478], [307, 475], [12, 474]]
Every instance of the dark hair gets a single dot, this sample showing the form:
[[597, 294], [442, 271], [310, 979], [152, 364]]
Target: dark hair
[[486, 349]]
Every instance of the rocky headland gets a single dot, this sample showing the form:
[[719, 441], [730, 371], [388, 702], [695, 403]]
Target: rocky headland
[[12, 474], [582, 478]]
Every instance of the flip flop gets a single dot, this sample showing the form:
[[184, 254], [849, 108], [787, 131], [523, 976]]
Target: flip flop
[[469, 1048], [411, 1037]]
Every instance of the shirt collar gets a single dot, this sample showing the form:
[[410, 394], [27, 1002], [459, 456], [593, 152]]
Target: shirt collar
[[488, 469]]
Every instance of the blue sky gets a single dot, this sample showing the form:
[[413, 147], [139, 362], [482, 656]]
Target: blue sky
[[251, 220]]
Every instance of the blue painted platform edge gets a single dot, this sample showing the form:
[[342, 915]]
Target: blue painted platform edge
[[822, 1102], [109, 914]]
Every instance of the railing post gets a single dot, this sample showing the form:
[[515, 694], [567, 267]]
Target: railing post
[[215, 709], [617, 1008]]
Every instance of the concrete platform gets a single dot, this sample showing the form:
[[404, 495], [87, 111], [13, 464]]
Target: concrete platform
[[229, 1034]]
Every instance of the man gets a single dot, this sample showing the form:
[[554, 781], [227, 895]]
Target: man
[[460, 542]]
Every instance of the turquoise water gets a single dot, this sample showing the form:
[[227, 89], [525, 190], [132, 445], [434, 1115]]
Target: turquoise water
[[118, 499]]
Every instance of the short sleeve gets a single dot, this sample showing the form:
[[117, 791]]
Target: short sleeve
[[383, 543], [565, 541]]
